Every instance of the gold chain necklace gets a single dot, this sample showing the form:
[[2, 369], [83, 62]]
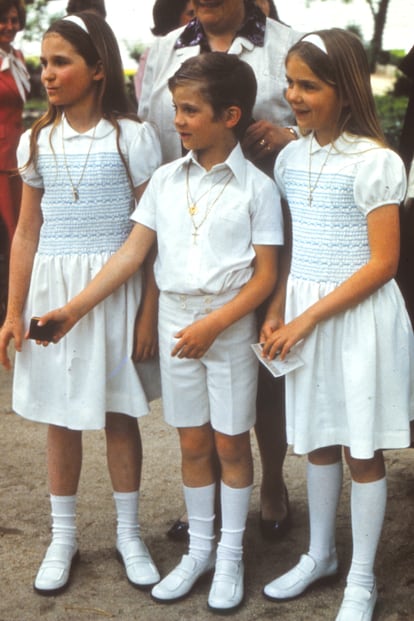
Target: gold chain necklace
[[192, 204], [75, 188], [310, 187]]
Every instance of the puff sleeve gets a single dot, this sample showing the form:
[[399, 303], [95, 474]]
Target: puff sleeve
[[380, 180]]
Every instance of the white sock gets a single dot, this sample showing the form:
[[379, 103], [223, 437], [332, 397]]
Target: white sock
[[199, 503], [234, 510], [368, 502], [324, 489], [63, 511], [127, 529]]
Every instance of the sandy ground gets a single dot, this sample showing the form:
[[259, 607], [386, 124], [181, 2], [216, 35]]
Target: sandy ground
[[99, 589]]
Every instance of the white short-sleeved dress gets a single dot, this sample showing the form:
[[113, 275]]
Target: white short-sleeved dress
[[90, 371], [357, 385]]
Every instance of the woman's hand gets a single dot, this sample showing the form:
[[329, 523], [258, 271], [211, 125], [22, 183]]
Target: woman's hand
[[263, 139]]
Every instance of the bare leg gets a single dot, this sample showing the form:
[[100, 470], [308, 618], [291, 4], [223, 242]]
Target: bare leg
[[64, 456], [124, 452]]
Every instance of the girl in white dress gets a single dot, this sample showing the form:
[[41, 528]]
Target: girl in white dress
[[343, 310], [217, 221], [84, 164]]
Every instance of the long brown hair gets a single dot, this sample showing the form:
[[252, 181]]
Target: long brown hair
[[345, 67], [97, 45]]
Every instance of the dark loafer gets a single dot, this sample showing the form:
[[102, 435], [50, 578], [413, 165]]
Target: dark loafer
[[178, 531]]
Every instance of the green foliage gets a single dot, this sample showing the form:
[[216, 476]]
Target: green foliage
[[38, 19], [391, 111]]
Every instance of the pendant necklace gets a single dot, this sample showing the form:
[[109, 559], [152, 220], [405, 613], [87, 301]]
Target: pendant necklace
[[75, 187], [192, 203], [311, 187]]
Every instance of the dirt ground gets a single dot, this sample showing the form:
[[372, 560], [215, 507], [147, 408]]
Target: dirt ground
[[99, 589]]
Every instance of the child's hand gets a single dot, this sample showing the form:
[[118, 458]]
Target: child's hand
[[145, 340], [284, 338], [64, 319], [11, 329], [195, 340], [269, 326]]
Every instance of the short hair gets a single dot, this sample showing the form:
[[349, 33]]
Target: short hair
[[344, 67], [77, 6], [224, 80], [166, 15], [19, 5]]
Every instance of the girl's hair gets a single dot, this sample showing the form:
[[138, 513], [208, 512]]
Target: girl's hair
[[6, 5], [345, 67], [98, 45], [76, 6], [166, 15], [224, 81]]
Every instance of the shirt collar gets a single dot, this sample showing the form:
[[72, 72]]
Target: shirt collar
[[103, 129], [235, 161], [253, 29]]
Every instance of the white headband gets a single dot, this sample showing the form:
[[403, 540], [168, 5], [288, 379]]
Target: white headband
[[316, 40], [75, 19]]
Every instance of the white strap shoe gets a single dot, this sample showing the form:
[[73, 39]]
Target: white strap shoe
[[358, 604], [297, 580], [179, 582], [139, 566], [227, 589], [54, 572]]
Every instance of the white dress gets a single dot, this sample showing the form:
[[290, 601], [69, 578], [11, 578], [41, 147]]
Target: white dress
[[90, 371], [356, 387]]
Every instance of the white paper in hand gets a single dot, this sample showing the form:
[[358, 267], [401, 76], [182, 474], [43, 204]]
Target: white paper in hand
[[278, 367]]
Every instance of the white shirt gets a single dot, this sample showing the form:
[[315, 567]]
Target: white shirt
[[243, 211], [268, 64]]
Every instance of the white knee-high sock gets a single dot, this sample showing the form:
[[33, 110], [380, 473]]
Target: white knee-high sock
[[127, 529], [199, 503], [63, 511], [324, 489], [368, 502], [234, 510]]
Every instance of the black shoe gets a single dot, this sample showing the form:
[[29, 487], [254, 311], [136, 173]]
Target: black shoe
[[273, 530], [178, 531]]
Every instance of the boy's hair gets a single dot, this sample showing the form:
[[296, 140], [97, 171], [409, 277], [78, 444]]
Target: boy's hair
[[76, 6], [345, 67], [97, 45], [224, 81], [6, 5]]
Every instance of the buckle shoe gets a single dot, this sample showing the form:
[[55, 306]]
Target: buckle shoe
[[140, 569], [179, 582], [55, 570], [358, 603], [227, 589], [297, 580]]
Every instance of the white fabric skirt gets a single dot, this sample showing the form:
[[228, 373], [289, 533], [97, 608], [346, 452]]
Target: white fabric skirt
[[89, 372], [356, 387]]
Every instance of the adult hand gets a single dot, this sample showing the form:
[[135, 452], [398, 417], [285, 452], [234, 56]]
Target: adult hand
[[262, 139]]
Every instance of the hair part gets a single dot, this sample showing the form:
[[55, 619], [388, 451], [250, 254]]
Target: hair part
[[224, 81], [345, 68], [19, 5]]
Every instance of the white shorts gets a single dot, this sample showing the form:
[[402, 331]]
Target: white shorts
[[220, 387]]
